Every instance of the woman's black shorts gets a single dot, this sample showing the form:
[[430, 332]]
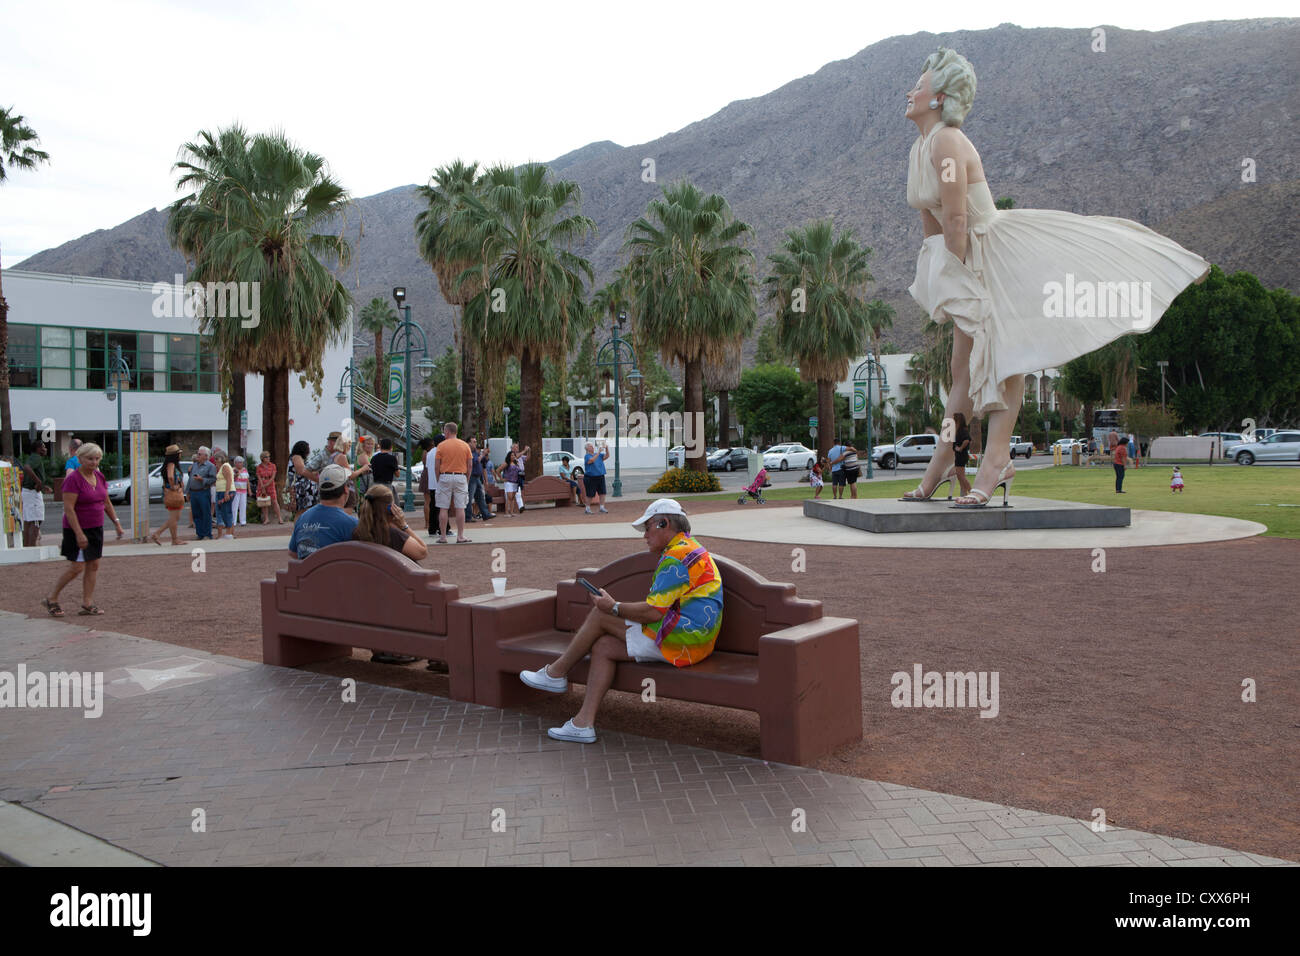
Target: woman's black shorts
[[94, 544]]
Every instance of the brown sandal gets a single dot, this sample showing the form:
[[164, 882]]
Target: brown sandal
[[52, 607], [89, 610]]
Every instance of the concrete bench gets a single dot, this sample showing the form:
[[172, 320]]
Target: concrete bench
[[358, 594], [776, 655], [536, 490]]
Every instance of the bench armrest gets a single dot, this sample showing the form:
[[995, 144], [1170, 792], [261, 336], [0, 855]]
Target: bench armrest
[[513, 615], [811, 680]]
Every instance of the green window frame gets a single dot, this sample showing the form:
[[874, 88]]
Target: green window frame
[[76, 358]]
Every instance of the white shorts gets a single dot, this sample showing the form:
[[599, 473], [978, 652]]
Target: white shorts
[[33, 505], [453, 491], [512, 487], [641, 648]]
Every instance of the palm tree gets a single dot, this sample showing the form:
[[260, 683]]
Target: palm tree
[[693, 284], [251, 216], [721, 377], [880, 315], [816, 283], [1117, 362], [521, 228], [377, 318], [17, 151], [440, 233]]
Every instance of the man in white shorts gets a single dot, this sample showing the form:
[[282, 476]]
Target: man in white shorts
[[452, 465], [683, 612], [34, 491]]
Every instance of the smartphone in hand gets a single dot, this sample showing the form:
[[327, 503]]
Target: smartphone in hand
[[595, 591]]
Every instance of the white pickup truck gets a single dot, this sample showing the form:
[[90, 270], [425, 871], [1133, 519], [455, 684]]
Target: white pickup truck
[[1019, 447]]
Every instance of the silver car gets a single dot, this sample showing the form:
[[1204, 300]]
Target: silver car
[[1280, 446], [909, 448], [119, 489]]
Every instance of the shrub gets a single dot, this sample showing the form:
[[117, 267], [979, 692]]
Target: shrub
[[685, 481]]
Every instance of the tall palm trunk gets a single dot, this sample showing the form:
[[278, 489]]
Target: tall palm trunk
[[694, 401], [381, 370], [233, 443], [468, 381], [825, 416], [484, 423], [724, 419], [6, 420], [275, 420], [530, 420]]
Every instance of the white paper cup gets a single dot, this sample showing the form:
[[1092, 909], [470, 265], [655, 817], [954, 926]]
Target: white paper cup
[[498, 586]]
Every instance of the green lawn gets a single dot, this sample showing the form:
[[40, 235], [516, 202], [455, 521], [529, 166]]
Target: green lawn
[[1270, 496]]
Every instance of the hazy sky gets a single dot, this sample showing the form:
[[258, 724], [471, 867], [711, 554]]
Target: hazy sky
[[388, 90]]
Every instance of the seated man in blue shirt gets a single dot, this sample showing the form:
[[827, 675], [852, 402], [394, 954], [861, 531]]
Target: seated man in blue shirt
[[326, 523]]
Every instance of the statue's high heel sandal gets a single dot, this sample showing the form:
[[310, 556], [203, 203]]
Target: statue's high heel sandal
[[918, 493], [978, 499]]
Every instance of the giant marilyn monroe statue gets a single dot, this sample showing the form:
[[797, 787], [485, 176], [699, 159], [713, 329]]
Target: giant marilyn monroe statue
[[1026, 289]]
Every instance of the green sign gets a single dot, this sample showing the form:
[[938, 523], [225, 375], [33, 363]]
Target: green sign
[[859, 399]]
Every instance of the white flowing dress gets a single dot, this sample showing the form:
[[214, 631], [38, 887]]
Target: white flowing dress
[[1039, 287]]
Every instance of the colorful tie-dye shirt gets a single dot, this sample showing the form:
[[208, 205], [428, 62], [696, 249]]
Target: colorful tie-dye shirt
[[686, 582]]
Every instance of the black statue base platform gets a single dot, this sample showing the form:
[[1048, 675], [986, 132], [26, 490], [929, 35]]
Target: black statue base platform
[[891, 516]]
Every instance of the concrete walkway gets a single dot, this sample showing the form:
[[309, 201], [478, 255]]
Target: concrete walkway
[[788, 527], [199, 759]]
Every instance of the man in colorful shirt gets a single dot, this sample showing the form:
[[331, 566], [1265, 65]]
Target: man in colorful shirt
[[678, 623]]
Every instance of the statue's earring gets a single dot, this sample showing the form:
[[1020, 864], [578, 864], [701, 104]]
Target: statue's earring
[[934, 104]]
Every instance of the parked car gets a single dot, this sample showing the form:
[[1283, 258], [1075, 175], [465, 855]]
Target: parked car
[[785, 457], [909, 448], [1229, 440], [1280, 446], [677, 455], [119, 489], [1019, 447], [1067, 445], [553, 461], [729, 459]]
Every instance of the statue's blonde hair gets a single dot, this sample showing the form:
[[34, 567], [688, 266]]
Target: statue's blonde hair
[[952, 75]]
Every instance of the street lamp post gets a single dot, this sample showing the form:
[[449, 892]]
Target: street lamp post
[[406, 329], [610, 355], [873, 368], [348, 380], [118, 372], [1163, 365], [507, 411]]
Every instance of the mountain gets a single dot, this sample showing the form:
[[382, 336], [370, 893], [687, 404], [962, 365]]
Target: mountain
[[1153, 129]]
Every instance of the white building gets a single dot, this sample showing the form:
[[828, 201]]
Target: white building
[[62, 333]]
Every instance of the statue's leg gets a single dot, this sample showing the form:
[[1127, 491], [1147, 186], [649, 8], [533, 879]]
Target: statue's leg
[[958, 401]]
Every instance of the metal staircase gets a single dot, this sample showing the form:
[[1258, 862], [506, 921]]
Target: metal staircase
[[373, 417]]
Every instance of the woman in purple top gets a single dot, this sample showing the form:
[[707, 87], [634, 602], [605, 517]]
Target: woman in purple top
[[85, 500]]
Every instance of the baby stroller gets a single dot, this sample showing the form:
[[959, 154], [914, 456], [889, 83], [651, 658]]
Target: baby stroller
[[755, 490]]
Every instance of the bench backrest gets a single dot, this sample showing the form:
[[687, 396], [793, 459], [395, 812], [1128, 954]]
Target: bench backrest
[[543, 486], [363, 583], [751, 605]]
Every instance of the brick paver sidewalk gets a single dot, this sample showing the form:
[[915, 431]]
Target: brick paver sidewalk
[[286, 772]]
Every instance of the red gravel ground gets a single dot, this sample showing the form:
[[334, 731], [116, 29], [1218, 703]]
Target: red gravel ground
[[1120, 690]]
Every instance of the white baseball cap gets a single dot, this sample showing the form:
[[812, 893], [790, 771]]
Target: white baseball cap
[[333, 477], [662, 506]]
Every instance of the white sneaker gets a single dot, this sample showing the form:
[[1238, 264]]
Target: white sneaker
[[604, 510], [572, 732], [586, 511], [540, 680]]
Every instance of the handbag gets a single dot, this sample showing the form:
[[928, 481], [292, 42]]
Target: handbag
[[264, 501], [173, 499]]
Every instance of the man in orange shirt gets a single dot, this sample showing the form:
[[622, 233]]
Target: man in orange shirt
[[452, 464]]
